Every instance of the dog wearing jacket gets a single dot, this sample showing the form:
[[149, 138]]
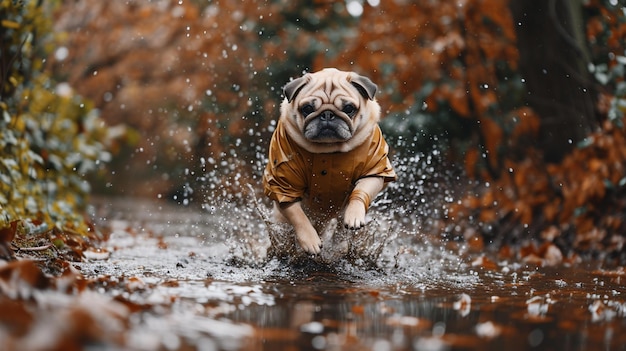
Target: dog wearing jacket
[[327, 155]]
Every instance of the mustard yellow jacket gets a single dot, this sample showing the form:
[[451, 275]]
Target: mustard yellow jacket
[[322, 180]]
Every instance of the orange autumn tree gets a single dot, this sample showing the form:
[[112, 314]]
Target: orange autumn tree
[[575, 202], [176, 76], [450, 80], [460, 60], [453, 61], [194, 84]]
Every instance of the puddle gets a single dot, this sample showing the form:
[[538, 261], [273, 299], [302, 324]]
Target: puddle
[[175, 265]]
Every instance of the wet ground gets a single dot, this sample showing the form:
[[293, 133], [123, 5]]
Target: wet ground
[[197, 279]]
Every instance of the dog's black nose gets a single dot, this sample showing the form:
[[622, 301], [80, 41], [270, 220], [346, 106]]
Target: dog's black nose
[[327, 115]]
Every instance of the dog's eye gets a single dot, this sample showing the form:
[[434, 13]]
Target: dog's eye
[[307, 109], [349, 109]]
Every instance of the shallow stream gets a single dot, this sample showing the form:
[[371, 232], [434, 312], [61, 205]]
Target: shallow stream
[[199, 280]]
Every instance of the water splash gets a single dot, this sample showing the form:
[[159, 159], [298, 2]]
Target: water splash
[[362, 247], [231, 220], [400, 235]]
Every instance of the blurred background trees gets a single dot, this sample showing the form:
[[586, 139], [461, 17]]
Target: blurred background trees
[[514, 93], [554, 61], [192, 79]]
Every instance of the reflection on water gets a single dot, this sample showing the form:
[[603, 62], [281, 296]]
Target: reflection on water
[[422, 296], [559, 308]]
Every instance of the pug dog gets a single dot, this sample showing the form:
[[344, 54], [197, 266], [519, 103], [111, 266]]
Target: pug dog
[[327, 156]]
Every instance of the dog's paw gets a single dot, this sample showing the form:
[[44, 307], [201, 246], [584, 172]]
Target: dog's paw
[[354, 217], [309, 241]]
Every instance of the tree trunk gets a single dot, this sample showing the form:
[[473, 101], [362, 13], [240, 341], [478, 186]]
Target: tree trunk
[[553, 62]]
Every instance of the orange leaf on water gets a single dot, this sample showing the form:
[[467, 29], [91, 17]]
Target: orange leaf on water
[[485, 263], [358, 309]]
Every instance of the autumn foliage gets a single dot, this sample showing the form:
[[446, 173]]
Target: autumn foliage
[[577, 203], [197, 98], [212, 77]]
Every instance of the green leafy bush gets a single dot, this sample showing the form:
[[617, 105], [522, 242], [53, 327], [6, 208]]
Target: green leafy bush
[[50, 138]]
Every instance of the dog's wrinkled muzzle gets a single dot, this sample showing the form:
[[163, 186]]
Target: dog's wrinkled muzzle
[[327, 127]]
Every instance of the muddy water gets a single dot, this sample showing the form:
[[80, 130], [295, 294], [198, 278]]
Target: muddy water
[[198, 280]]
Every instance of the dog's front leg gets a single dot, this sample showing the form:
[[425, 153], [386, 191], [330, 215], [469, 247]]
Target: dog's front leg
[[364, 192], [306, 234]]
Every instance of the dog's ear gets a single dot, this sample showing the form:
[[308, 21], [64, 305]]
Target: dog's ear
[[292, 88], [364, 85]]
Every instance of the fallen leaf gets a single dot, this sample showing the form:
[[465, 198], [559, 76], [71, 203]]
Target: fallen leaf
[[18, 279], [93, 253], [358, 309], [463, 305], [487, 330], [484, 262]]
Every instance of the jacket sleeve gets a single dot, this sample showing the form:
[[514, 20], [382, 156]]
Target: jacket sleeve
[[283, 178], [378, 163]]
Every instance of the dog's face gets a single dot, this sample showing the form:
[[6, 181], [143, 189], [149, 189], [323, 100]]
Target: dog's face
[[330, 110]]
